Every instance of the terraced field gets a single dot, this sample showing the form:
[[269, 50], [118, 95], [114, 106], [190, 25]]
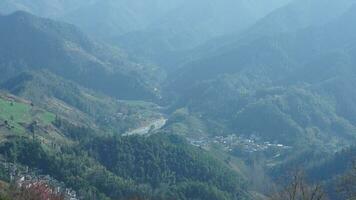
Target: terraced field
[[20, 118]]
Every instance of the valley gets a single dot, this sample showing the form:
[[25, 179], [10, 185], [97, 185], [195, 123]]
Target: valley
[[177, 99]]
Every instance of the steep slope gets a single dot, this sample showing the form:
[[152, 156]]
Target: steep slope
[[162, 166], [80, 105], [285, 51], [29, 42], [117, 17], [332, 167], [270, 86], [292, 17], [20, 117], [335, 172], [193, 23], [298, 15], [279, 54]]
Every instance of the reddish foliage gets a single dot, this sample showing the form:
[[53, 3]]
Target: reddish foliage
[[37, 191]]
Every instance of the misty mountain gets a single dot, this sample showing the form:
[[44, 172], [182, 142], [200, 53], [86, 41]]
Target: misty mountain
[[152, 29], [292, 17], [297, 73], [54, 8], [177, 99], [114, 18], [55, 71], [193, 23], [283, 51], [298, 15], [32, 43]]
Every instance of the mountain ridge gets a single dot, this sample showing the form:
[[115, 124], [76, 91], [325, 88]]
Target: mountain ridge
[[69, 53]]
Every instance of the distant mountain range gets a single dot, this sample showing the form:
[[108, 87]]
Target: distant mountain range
[[55, 8], [192, 24], [278, 72], [292, 83], [33, 43], [112, 17], [71, 97], [152, 29]]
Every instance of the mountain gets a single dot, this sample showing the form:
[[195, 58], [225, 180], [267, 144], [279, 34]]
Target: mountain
[[112, 18], [115, 18], [55, 8], [283, 87], [81, 105], [35, 141], [208, 100], [298, 15], [192, 24], [32, 43], [64, 114], [153, 29], [292, 17], [286, 51]]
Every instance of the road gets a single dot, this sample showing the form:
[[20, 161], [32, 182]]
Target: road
[[154, 125]]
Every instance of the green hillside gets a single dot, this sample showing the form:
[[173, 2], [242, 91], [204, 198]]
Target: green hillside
[[81, 105], [98, 167], [272, 81], [65, 51], [177, 99], [19, 114]]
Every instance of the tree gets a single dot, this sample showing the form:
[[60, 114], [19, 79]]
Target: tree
[[33, 191], [299, 189], [37, 191], [347, 186], [32, 128]]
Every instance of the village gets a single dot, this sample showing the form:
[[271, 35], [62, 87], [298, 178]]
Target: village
[[241, 144], [23, 177]]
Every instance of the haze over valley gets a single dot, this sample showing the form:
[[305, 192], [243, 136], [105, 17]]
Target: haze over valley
[[178, 99]]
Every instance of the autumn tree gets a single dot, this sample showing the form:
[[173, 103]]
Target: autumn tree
[[299, 189], [35, 191]]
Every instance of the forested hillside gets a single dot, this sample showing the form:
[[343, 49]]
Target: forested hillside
[[273, 81], [93, 176], [177, 99], [67, 52]]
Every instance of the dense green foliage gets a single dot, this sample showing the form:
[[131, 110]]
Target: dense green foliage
[[158, 161], [272, 93], [78, 104], [336, 164], [124, 167], [277, 88]]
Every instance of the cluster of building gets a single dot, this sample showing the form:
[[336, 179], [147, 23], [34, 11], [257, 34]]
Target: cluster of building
[[24, 178], [233, 142]]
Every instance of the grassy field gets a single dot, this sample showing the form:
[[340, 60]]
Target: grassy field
[[18, 114]]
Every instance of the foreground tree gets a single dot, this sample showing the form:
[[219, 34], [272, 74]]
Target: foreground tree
[[299, 189], [347, 186], [35, 191]]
